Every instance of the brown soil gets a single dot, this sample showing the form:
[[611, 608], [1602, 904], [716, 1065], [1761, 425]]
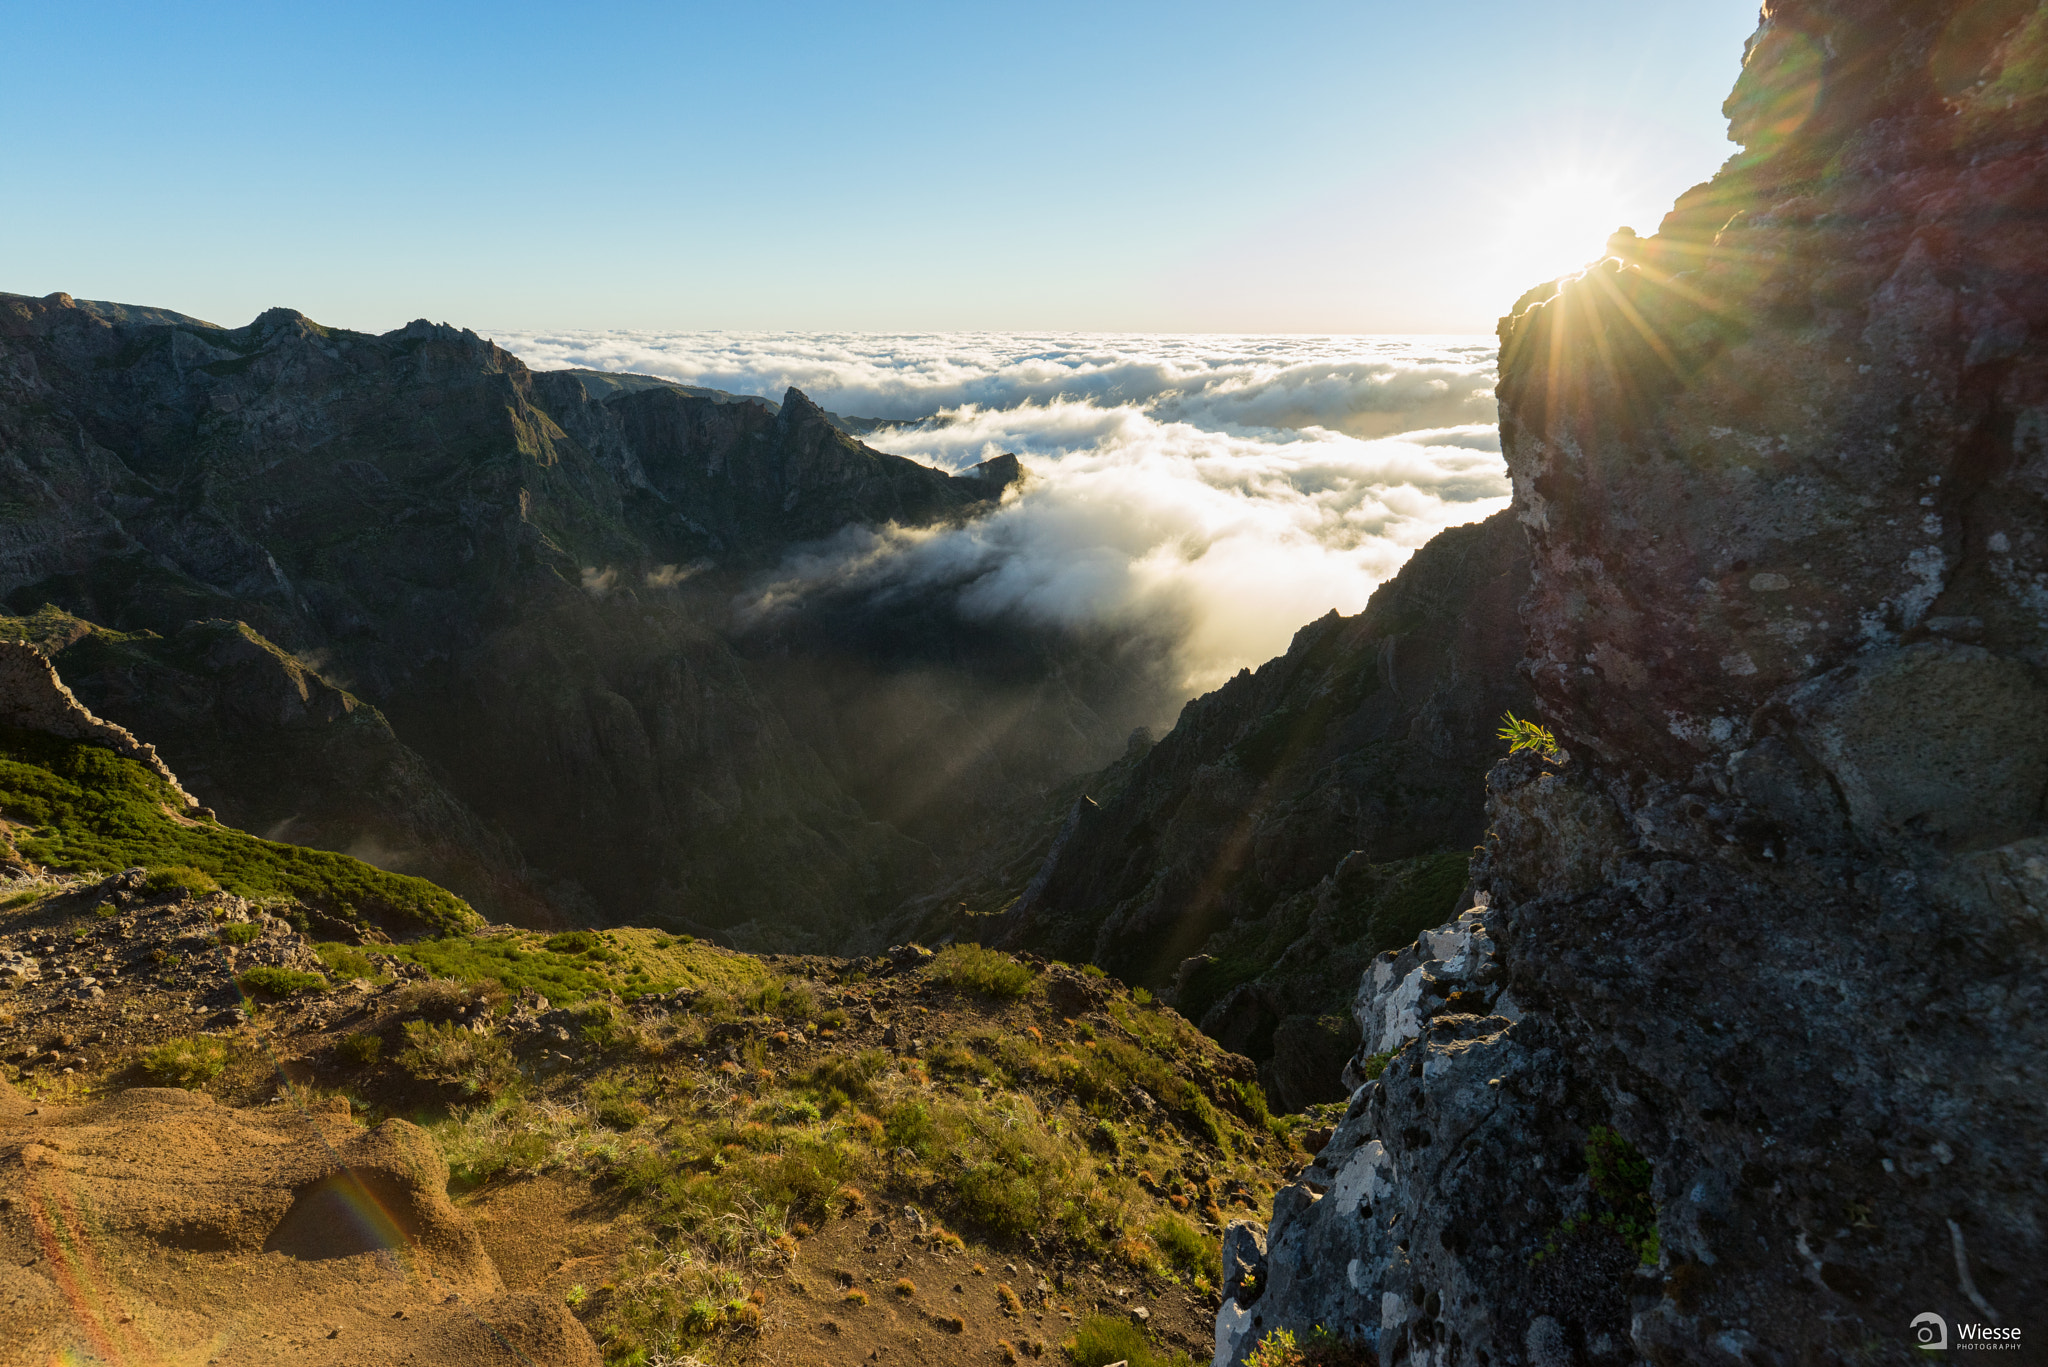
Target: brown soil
[[266, 1261]]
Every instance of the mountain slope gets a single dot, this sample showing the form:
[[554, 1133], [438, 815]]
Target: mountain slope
[[399, 595]]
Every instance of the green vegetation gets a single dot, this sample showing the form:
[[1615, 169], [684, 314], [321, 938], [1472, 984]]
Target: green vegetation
[[1322, 1349], [1620, 1178], [179, 878], [240, 932], [281, 982], [1523, 735], [1191, 1253], [1013, 1125], [1376, 1064], [360, 1049], [1102, 1339], [571, 967], [970, 968], [87, 809], [1621, 1206], [467, 1062], [186, 1061], [345, 962]]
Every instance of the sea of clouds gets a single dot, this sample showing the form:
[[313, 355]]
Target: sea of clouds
[[1218, 491]]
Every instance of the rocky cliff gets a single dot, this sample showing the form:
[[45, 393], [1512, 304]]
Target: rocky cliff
[[1740, 1058], [402, 597]]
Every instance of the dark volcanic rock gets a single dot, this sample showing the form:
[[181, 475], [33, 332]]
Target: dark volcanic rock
[[1765, 954]]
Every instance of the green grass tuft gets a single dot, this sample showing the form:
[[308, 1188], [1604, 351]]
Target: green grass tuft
[[970, 968], [179, 878], [187, 1061], [281, 982], [1101, 1340]]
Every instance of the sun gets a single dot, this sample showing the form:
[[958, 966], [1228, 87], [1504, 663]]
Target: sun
[[1561, 221]]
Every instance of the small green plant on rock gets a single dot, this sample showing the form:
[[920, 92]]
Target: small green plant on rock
[[1522, 734], [240, 932], [1620, 1178], [1320, 1349]]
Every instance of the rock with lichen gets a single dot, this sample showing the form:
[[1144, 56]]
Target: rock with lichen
[[1740, 1062]]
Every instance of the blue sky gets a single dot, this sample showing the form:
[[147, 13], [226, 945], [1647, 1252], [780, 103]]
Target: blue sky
[[1288, 166]]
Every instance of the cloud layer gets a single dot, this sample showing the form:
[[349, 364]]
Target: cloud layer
[[1228, 489]]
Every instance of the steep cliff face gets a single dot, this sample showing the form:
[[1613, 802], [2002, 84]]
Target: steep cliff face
[[1743, 1060], [399, 596]]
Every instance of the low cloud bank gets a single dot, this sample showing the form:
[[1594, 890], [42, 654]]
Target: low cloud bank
[[1228, 490], [1368, 386]]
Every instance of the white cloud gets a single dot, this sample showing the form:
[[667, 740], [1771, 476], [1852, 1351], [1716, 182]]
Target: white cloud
[[1223, 490], [1369, 386]]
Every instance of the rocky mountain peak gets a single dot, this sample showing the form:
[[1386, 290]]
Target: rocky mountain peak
[[1646, 1097]]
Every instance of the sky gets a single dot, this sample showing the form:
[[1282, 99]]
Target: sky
[[1290, 167]]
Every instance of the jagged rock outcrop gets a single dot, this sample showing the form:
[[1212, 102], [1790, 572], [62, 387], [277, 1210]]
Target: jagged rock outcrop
[[1762, 967], [33, 698], [1300, 818]]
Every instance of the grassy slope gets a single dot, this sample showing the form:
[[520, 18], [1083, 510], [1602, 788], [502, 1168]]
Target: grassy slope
[[730, 1124], [79, 807]]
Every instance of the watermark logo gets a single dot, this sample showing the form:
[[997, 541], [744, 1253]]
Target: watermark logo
[[1931, 1335]]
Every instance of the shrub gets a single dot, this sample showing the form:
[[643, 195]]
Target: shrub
[[345, 961], [360, 1049], [1102, 1339], [850, 1078], [905, 1287], [619, 1112], [855, 1296], [603, 1025], [439, 998], [182, 879], [909, 1126], [281, 982], [456, 1057], [240, 932], [800, 1003], [187, 1060], [970, 968], [1191, 1254], [1375, 1064], [1000, 1198], [1013, 1305]]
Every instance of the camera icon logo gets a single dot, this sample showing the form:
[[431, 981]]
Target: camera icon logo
[[1930, 1331]]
